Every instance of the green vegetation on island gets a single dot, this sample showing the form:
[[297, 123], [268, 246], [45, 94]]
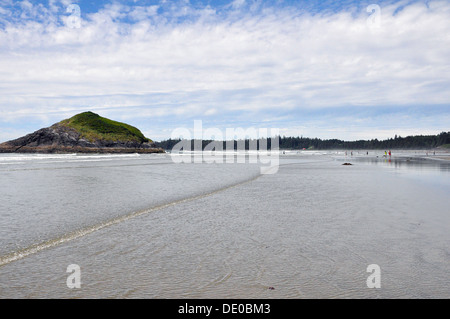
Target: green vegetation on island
[[83, 133], [93, 127]]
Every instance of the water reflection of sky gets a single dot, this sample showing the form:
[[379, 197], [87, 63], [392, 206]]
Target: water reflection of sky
[[431, 171]]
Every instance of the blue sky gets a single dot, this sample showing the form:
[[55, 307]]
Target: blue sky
[[329, 69]]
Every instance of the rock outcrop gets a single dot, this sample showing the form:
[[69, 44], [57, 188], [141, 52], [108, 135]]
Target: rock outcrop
[[61, 138]]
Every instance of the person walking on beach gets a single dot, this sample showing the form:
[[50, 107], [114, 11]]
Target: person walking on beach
[[389, 153], [385, 153]]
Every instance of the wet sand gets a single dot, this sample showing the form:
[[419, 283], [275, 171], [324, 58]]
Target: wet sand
[[309, 231]]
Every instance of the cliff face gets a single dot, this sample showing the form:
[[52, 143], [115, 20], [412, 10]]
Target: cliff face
[[62, 138]]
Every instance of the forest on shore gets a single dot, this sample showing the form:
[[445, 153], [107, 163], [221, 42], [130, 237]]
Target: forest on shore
[[441, 140]]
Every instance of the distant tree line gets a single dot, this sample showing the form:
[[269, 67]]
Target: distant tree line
[[300, 143]]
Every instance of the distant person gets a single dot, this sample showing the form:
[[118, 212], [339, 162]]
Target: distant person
[[367, 153], [389, 153], [385, 153], [351, 153]]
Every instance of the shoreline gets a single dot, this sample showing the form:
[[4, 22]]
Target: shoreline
[[79, 150]]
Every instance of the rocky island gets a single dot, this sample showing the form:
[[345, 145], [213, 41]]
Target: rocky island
[[83, 133]]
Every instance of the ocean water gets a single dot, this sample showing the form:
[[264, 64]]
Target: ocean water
[[142, 226]]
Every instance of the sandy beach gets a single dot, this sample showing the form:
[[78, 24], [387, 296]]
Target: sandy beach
[[309, 231]]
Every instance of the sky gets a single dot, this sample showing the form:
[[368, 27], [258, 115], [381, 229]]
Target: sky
[[329, 69]]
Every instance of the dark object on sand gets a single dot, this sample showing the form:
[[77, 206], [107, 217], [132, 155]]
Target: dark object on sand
[[347, 164], [271, 288]]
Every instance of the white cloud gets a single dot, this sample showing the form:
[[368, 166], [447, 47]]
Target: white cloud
[[210, 63], [140, 13], [236, 4]]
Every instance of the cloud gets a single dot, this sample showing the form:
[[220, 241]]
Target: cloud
[[236, 4], [181, 62]]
